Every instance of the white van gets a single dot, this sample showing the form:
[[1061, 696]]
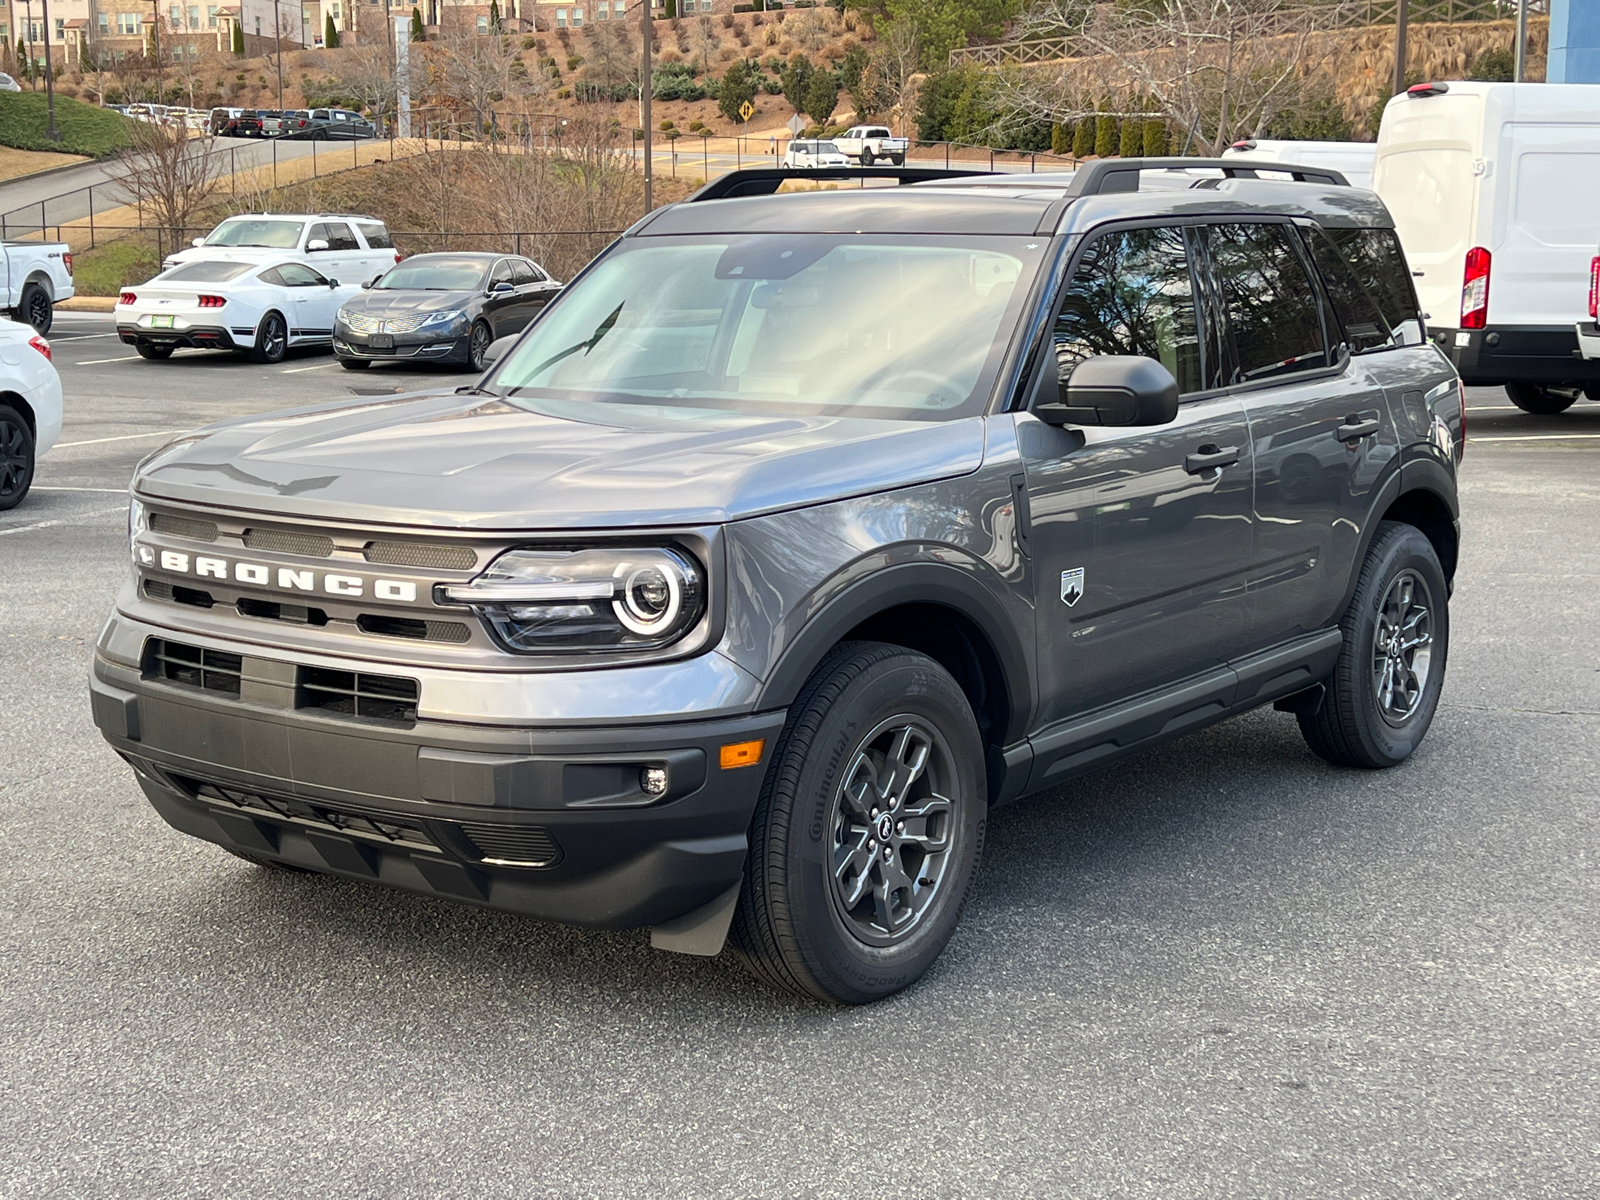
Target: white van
[[1493, 188], [1353, 160]]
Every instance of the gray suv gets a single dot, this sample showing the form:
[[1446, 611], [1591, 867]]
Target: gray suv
[[796, 534]]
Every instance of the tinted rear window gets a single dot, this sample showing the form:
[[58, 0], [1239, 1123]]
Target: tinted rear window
[[206, 272], [377, 235], [1271, 305], [1370, 286]]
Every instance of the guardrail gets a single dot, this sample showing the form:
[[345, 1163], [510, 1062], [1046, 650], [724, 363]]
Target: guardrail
[[1344, 14]]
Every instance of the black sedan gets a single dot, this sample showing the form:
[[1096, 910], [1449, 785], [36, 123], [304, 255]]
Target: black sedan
[[443, 308]]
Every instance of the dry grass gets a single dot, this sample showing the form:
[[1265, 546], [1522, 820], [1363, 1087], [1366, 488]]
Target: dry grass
[[16, 163]]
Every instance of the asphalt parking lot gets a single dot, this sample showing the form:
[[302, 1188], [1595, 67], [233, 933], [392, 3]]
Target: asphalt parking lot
[[1222, 969]]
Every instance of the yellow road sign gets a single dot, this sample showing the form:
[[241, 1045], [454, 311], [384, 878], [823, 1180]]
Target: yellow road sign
[[746, 111]]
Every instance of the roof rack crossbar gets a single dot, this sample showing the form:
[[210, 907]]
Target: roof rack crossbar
[[1108, 175], [764, 181]]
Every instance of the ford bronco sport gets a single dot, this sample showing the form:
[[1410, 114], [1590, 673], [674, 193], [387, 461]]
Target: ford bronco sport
[[800, 530]]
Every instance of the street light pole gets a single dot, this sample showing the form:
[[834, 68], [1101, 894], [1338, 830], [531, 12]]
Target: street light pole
[[51, 131], [1521, 73], [277, 33], [1401, 16], [33, 73], [155, 31], [646, 86]]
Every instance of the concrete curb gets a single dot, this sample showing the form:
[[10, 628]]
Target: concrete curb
[[100, 304]]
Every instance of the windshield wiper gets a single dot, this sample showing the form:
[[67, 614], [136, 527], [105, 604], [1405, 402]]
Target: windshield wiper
[[600, 331]]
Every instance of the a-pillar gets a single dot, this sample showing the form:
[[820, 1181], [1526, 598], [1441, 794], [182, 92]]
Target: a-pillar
[[1574, 42]]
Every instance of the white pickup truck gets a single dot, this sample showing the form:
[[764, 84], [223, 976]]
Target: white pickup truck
[[869, 143], [37, 275]]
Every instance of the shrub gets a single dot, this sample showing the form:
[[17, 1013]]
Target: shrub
[[1131, 143], [665, 126], [574, 61], [1060, 139], [1155, 138], [1105, 137], [1495, 65]]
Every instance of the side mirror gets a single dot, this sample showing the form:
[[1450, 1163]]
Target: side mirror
[[366, 284], [316, 244], [332, 283], [1113, 389], [198, 242], [500, 287], [497, 348]]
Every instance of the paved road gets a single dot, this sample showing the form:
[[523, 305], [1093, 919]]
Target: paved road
[[1223, 969], [66, 196]]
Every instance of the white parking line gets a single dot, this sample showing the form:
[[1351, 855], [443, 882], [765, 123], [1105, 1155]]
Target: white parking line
[[80, 337], [1539, 437], [126, 437], [317, 367], [39, 487], [95, 362], [104, 512]]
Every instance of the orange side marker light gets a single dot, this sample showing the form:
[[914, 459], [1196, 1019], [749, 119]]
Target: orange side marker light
[[741, 754]]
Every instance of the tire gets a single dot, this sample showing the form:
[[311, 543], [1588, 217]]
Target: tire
[[866, 158], [1539, 399], [269, 864], [478, 345], [1353, 726], [16, 458], [154, 353], [355, 364], [272, 340], [898, 160], [796, 926], [35, 308]]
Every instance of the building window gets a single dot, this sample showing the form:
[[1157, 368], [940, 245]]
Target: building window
[[258, 26], [105, 23], [61, 27], [483, 24], [561, 18], [603, 13], [211, 16], [577, 18], [128, 23]]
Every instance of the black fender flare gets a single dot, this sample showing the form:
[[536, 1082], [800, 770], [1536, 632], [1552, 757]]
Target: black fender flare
[[907, 583], [1418, 475]]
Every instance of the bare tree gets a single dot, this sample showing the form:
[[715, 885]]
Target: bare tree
[[890, 78], [1216, 69], [478, 73], [170, 176], [94, 64], [190, 66], [704, 39], [368, 75], [811, 28]]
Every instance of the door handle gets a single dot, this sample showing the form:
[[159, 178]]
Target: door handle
[[1211, 457], [1355, 428]]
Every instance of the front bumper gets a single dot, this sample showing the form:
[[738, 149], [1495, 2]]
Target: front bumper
[[1547, 354], [198, 337], [543, 821], [407, 347]]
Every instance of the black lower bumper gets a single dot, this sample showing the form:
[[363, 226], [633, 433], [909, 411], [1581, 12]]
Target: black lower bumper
[[551, 823], [445, 350], [1518, 354], [196, 337]]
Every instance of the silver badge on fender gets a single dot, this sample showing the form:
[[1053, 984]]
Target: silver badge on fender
[[1072, 586]]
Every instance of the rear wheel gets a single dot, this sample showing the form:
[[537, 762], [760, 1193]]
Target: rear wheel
[[154, 353], [868, 832], [866, 158], [16, 457], [1381, 698], [1540, 399], [354, 364], [272, 340], [35, 308]]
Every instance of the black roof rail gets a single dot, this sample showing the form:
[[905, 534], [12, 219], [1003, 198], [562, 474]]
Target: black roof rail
[[764, 181], [1107, 175]]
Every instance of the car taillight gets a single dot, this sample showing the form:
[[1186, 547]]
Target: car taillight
[[1594, 287], [127, 297], [39, 344], [67, 259], [1475, 289], [212, 301], [1591, 306]]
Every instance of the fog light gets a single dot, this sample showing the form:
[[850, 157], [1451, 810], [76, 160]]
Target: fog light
[[653, 781]]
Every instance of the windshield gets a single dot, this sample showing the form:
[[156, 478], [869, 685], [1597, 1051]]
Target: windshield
[[257, 231], [217, 271], [435, 275], [900, 327]]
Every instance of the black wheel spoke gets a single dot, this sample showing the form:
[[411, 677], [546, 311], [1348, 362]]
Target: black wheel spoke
[[1402, 641]]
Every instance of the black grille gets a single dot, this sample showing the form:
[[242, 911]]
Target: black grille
[[308, 545], [184, 527], [193, 667], [356, 694], [407, 627], [177, 594], [514, 845], [421, 554], [271, 610], [284, 808]]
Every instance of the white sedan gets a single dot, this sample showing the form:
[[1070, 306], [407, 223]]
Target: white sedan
[[814, 154], [260, 308], [30, 408]]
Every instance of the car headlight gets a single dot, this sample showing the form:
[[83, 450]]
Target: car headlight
[[443, 318], [568, 601], [137, 522]]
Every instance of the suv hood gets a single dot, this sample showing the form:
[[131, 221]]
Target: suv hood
[[478, 462]]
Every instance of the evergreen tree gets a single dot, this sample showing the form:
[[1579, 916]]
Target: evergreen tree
[[238, 40], [330, 35], [1060, 139], [494, 16], [418, 34], [1083, 138], [737, 87], [1155, 138], [1131, 143], [1105, 137], [822, 96], [796, 77]]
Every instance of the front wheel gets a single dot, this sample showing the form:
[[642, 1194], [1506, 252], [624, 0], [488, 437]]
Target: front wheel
[[16, 457], [1540, 400], [478, 345], [272, 340], [1382, 695], [866, 158], [869, 829]]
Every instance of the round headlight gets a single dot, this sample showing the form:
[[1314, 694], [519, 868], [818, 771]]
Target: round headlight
[[650, 600]]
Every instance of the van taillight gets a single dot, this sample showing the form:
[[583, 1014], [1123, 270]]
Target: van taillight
[[1594, 287], [1475, 289]]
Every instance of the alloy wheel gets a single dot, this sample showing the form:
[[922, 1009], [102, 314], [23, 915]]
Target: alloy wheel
[[1402, 647], [477, 347], [38, 313], [15, 461], [891, 827], [274, 338]]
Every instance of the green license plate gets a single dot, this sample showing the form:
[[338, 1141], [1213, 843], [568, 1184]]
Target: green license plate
[[161, 322]]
